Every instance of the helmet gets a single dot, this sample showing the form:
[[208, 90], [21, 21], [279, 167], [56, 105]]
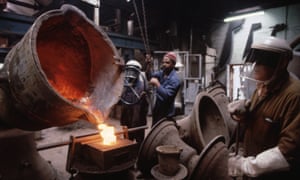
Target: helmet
[[134, 84], [275, 45], [272, 52], [132, 72], [135, 63], [271, 47]]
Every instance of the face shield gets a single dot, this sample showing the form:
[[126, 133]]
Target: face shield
[[131, 75], [134, 84], [250, 73], [248, 83]]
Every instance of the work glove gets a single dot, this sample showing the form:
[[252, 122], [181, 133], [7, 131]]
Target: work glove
[[234, 165], [268, 161], [238, 109]]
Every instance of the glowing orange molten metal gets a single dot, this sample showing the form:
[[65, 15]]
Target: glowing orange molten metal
[[107, 133]]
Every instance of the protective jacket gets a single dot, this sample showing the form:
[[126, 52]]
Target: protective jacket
[[135, 114], [274, 120]]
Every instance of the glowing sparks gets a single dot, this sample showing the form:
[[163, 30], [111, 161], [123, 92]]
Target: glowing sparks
[[107, 133], [97, 115]]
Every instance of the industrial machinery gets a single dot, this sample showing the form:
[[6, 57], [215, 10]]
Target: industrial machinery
[[203, 136], [63, 70]]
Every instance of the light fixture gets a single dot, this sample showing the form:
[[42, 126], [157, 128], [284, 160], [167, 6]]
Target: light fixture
[[242, 16], [95, 3]]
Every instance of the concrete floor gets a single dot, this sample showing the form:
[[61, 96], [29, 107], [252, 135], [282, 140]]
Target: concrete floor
[[57, 155]]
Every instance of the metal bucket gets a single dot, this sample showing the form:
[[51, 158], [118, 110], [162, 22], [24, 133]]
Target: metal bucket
[[63, 64]]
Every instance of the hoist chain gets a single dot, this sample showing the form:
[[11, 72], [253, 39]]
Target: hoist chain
[[146, 28], [143, 34]]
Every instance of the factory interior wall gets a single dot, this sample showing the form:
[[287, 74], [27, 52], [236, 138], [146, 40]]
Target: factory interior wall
[[288, 15]]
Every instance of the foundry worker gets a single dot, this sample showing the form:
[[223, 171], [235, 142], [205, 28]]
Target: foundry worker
[[270, 121], [134, 103], [166, 83]]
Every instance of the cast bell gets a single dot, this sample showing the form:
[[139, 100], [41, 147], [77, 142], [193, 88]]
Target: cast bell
[[209, 118], [203, 137]]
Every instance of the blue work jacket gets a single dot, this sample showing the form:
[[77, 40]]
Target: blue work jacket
[[165, 95]]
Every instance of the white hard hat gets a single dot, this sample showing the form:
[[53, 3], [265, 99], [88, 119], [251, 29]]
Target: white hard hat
[[135, 63], [272, 52], [272, 44], [275, 45]]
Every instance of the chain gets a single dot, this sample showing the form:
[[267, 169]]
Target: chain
[[145, 39], [146, 29]]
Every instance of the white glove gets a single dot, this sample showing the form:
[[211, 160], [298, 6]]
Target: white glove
[[266, 162], [234, 165], [238, 108]]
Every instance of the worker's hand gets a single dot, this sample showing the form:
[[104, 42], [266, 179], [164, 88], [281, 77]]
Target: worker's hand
[[268, 161], [234, 165], [238, 109], [155, 82], [148, 58]]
